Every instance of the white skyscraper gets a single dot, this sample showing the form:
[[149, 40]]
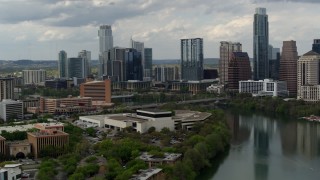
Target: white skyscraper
[[86, 55], [105, 44]]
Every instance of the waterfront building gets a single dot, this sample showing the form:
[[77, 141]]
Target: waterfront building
[[98, 90], [288, 66], [266, 87], [191, 59], [274, 62], [239, 69], [77, 67], [308, 75], [260, 44], [63, 64], [10, 109], [86, 55], [166, 73], [6, 88], [142, 120], [36, 77], [226, 50]]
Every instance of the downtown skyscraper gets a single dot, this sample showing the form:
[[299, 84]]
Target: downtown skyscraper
[[62, 64], [288, 66], [226, 50], [192, 59], [260, 44], [105, 44]]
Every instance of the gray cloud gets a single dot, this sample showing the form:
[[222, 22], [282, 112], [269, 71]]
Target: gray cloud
[[296, 1]]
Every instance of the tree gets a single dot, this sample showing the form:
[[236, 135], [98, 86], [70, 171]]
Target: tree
[[151, 129]]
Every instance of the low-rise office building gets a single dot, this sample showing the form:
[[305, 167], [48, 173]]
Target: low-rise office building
[[66, 105], [39, 140], [140, 121], [131, 85], [11, 172], [99, 91], [266, 87], [192, 86], [185, 119], [10, 109]]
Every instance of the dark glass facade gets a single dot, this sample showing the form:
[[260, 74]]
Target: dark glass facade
[[147, 62], [316, 45], [192, 59], [62, 64], [260, 44], [76, 67]]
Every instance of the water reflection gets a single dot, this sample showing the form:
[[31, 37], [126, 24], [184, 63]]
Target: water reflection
[[264, 148]]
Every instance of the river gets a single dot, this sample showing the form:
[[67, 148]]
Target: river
[[265, 148]]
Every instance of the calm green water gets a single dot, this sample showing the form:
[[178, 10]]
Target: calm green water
[[265, 148]]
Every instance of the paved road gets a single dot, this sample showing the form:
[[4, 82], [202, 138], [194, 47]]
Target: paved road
[[179, 102]]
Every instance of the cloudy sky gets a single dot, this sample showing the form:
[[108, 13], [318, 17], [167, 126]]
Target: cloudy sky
[[38, 29]]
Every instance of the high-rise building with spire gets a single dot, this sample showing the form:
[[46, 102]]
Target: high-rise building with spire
[[260, 44]]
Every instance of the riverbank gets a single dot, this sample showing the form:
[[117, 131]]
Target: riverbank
[[292, 108]]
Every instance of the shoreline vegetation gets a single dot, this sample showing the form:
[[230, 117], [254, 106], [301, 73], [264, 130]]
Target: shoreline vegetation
[[274, 105], [200, 147]]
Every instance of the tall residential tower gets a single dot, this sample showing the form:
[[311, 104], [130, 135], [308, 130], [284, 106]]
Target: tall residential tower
[[226, 50], [62, 64], [192, 59], [260, 44]]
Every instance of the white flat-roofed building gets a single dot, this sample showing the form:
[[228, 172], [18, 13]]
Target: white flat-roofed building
[[10, 109], [140, 121], [310, 93], [185, 119], [13, 172], [266, 87], [37, 77]]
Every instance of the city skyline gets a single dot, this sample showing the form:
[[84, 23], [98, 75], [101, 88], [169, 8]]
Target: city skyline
[[72, 25]]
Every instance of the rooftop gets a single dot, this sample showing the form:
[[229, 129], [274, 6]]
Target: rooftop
[[146, 174], [167, 157], [154, 111], [16, 128], [47, 133], [18, 143], [12, 165], [187, 115]]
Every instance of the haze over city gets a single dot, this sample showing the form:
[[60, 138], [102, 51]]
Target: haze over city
[[39, 29]]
